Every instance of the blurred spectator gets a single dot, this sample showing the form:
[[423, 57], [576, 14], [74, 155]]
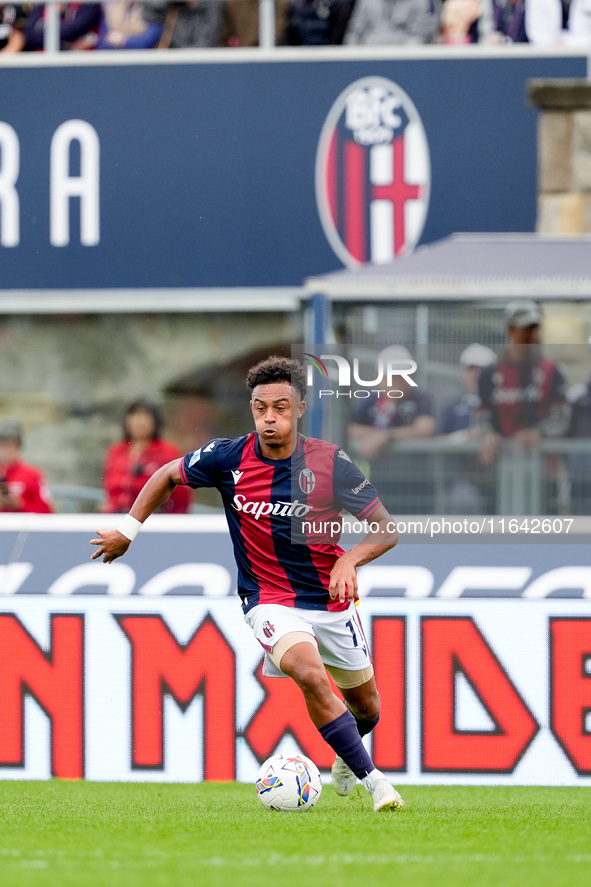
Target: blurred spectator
[[396, 412], [317, 22], [578, 32], [523, 395], [546, 21], [456, 415], [459, 21], [124, 27], [22, 486], [197, 23], [393, 22], [12, 26], [403, 412], [579, 397], [78, 26], [509, 21], [130, 462], [555, 22], [579, 464], [468, 490], [241, 22]]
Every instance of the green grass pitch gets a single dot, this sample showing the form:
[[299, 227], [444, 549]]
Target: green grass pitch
[[154, 835]]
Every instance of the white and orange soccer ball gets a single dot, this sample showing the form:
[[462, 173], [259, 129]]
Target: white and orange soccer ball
[[289, 783]]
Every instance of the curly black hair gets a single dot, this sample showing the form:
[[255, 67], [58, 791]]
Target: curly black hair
[[278, 369]]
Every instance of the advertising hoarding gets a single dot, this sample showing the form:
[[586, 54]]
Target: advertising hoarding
[[108, 680]]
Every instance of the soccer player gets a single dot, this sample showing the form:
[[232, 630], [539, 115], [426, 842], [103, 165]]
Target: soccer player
[[298, 587]]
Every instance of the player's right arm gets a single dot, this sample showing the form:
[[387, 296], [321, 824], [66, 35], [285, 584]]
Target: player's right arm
[[112, 544]]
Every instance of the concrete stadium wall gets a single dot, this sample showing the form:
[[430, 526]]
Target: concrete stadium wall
[[68, 379]]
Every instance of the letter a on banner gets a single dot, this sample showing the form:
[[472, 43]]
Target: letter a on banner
[[449, 646]]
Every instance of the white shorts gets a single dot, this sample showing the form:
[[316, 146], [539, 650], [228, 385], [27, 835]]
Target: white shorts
[[339, 635]]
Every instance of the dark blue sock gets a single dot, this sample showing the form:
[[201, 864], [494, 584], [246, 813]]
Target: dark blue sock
[[342, 735], [366, 725]]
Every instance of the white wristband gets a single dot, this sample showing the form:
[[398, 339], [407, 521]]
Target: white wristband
[[130, 527]]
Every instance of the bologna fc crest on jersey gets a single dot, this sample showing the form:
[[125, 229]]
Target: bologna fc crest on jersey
[[373, 173], [268, 629], [307, 480]]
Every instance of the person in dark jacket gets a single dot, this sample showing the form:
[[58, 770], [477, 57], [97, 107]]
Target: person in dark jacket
[[78, 26]]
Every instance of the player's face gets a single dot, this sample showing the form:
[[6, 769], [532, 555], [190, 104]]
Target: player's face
[[276, 407]]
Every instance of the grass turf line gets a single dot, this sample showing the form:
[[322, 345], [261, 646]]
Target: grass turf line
[[157, 835]]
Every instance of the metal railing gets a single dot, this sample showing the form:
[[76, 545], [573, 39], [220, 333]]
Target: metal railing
[[79, 499], [76, 498], [439, 476]]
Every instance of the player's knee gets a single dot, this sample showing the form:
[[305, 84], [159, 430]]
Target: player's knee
[[372, 709], [366, 708], [371, 713]]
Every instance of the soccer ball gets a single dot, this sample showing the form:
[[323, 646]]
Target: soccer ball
[[289, 783]]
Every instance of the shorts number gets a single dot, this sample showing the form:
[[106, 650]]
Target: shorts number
[[349, 625]]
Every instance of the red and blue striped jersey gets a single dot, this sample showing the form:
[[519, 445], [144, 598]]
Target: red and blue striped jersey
[[516, 395], [283, 514]]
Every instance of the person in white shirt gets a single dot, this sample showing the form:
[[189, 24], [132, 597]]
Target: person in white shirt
[[558, 22]]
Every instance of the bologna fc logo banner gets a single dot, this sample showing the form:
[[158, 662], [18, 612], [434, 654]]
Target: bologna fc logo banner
[[373, 173]]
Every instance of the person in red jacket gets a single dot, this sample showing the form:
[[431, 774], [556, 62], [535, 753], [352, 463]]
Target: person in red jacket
[[22, 486], [130, 462]]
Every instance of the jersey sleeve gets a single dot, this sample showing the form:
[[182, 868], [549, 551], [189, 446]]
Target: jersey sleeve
[[198, 469], [352, 488]]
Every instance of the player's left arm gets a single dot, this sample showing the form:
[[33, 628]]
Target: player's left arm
[[381, 537]]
